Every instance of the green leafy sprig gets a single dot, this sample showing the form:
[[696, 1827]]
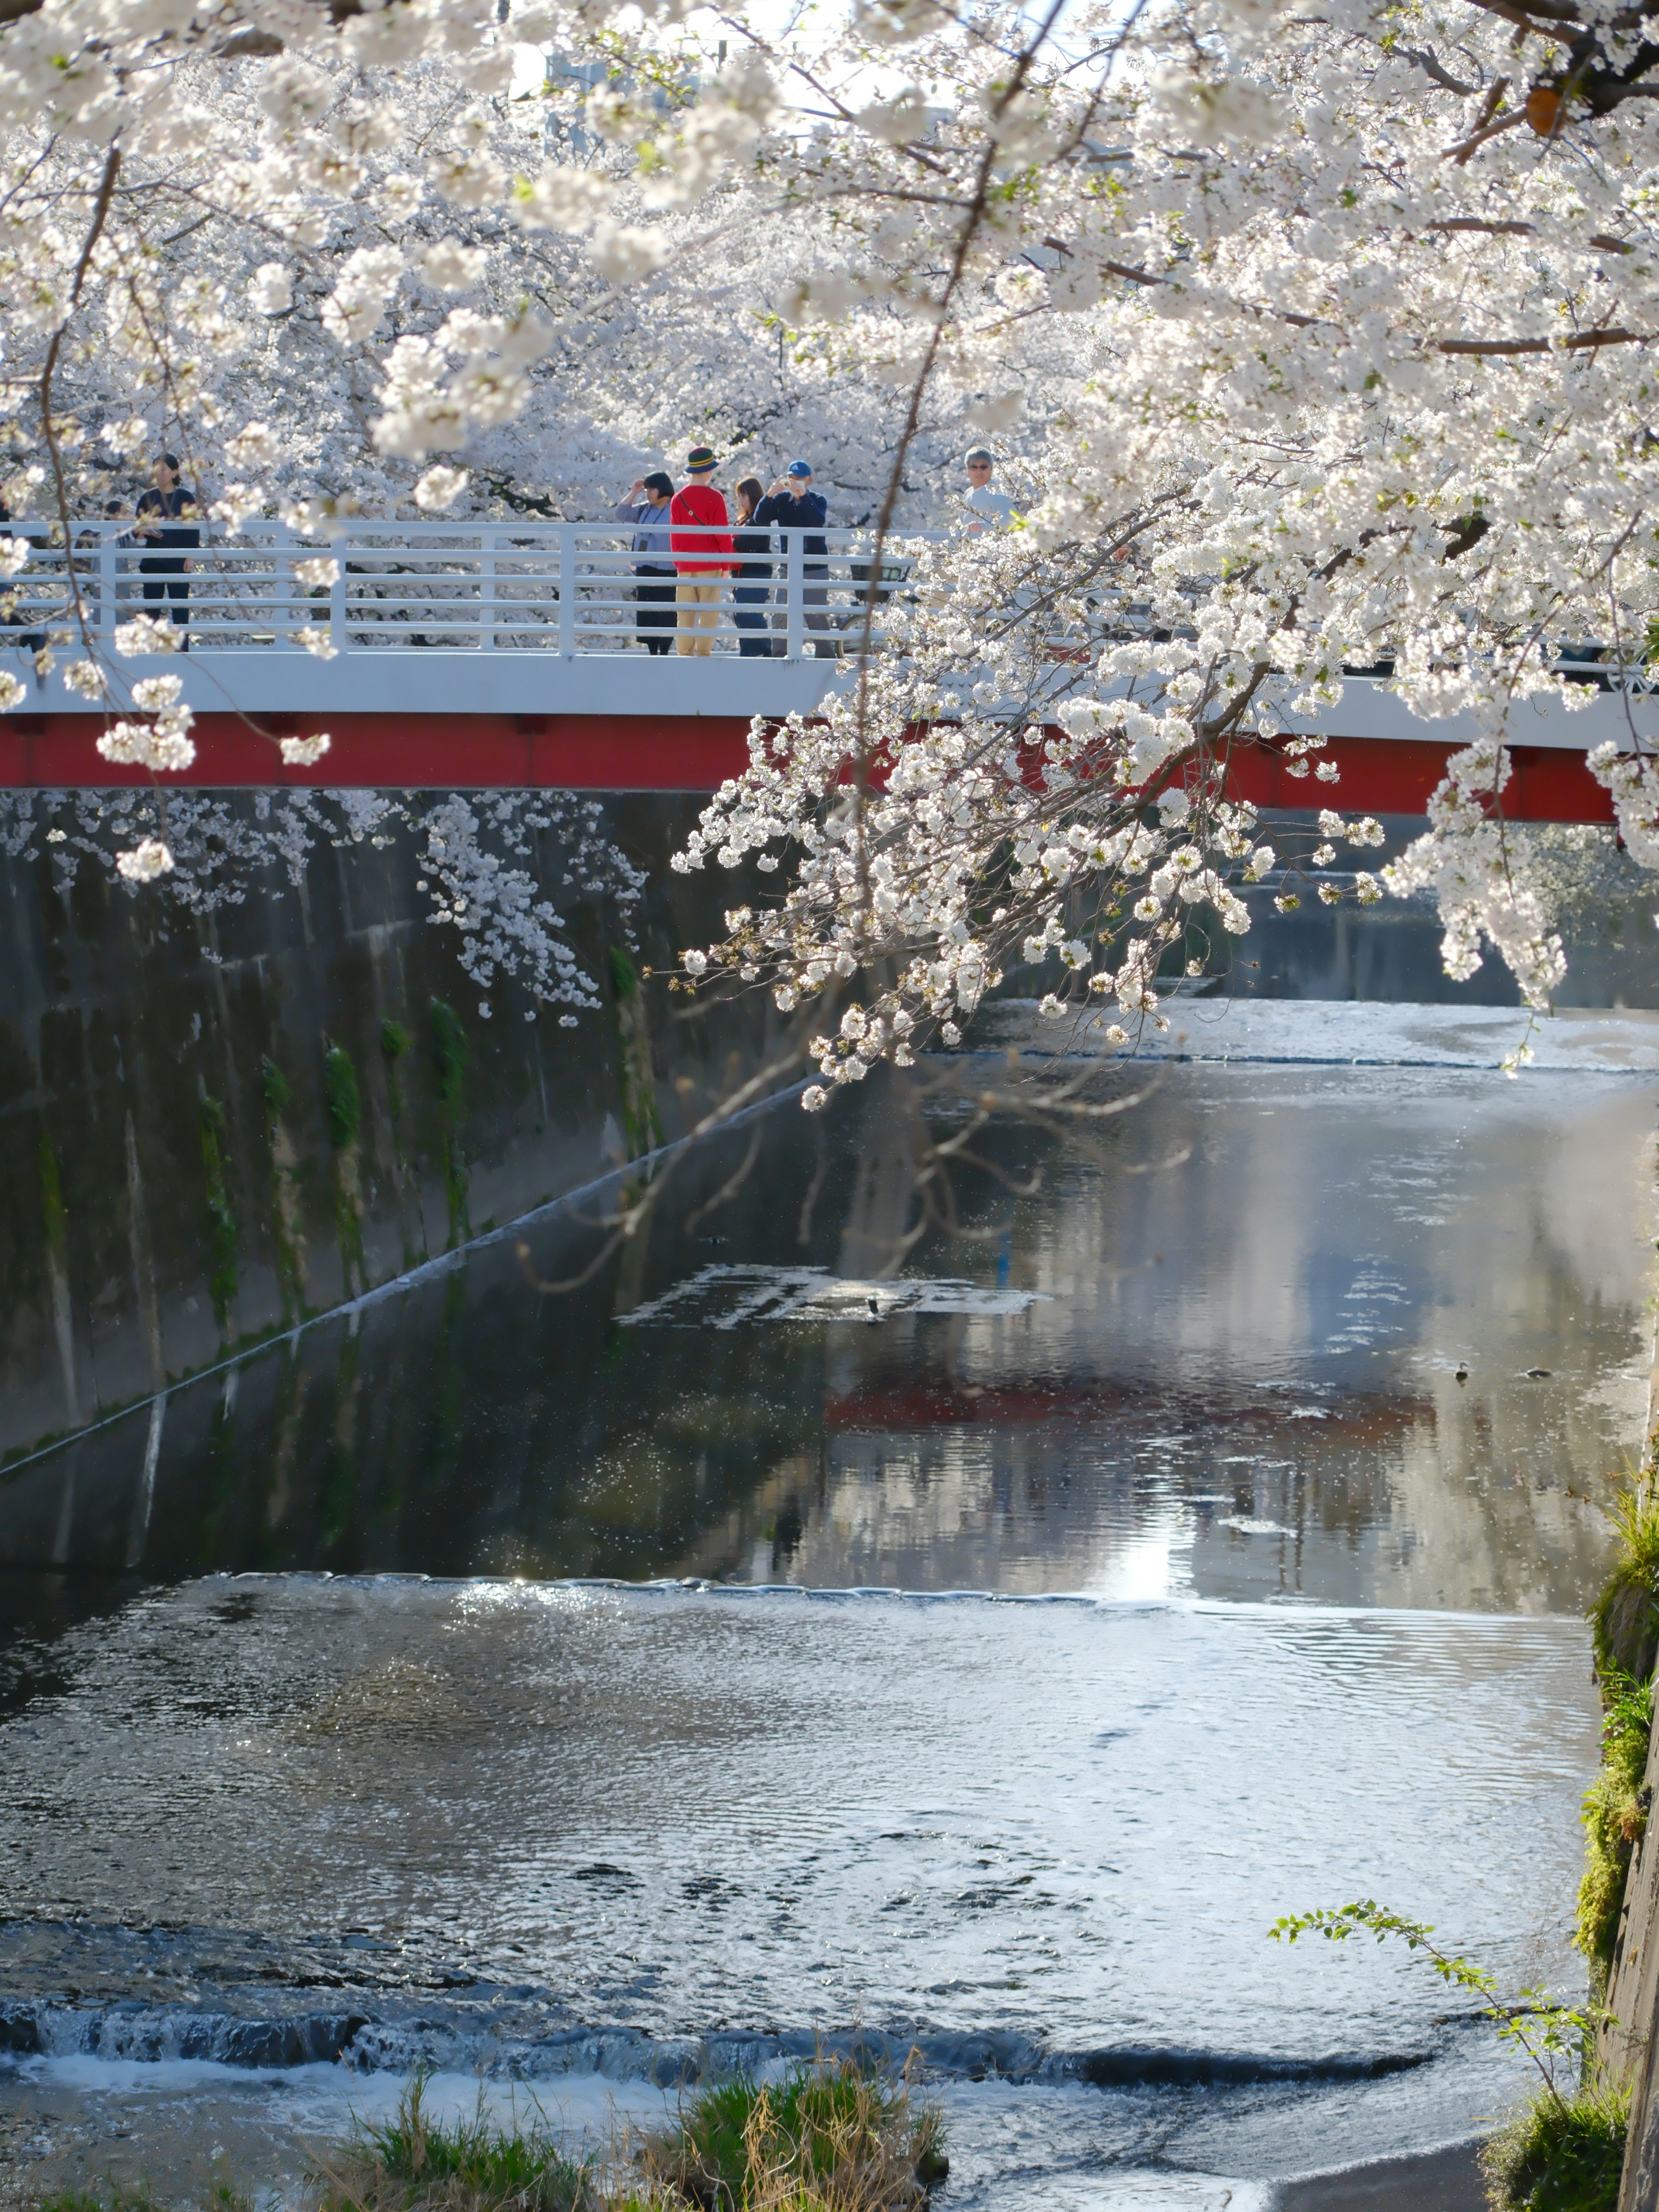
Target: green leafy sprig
[[1532, 2020]]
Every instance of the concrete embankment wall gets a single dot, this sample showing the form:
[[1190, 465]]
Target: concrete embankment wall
[[212, 1127], [1627, 2045]]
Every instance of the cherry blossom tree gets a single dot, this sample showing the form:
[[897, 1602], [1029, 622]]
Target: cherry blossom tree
[[1325, 339]]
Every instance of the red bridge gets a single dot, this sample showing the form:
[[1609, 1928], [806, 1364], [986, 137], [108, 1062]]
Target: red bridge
[[472, 656]]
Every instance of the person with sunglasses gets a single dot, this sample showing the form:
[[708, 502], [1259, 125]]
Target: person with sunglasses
[[990, 508]]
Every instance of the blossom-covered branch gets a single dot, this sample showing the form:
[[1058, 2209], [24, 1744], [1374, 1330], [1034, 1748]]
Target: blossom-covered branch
[[1322, 345]]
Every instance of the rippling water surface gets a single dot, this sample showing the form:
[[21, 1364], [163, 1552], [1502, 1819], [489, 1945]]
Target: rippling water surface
[[551, 1827], [1267, 1424]]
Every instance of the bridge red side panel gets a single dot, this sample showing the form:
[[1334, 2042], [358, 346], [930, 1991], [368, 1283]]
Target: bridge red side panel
[[390, 753], [1395, 775], [692, 753]]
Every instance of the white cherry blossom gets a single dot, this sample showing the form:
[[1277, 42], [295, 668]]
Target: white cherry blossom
[[1316, 344]]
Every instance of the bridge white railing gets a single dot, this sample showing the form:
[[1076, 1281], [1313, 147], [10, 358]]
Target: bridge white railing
[[567, 588], [425, 619]]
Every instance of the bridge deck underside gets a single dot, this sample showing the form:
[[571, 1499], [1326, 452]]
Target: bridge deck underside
[[693, 753]]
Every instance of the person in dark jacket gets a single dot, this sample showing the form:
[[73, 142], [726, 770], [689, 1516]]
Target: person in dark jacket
[[166, 517], [646, 508], [792, 506], [749, 592]]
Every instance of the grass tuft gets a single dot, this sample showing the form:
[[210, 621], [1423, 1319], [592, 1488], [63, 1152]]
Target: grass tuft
[[1615, 1812], [828, 2137], [1624, 1627], [1556, 2156], [831, 2137], [414, 2163], [1625, 1618]]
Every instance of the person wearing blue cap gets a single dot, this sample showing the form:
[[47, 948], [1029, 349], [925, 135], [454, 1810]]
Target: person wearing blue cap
[[792, 505]]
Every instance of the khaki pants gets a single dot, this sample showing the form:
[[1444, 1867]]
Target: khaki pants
[[699, 610]]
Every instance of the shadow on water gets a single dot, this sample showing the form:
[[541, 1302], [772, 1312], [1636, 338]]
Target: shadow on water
[[1346, 1335]]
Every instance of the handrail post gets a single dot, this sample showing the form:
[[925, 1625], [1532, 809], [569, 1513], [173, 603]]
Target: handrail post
[[794, 633], [567, 590], [337, 600], [487, 587], [108, 542], [282, 585]]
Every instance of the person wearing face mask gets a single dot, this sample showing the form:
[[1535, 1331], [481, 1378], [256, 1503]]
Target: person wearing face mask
[[646, 508], [792, 506]]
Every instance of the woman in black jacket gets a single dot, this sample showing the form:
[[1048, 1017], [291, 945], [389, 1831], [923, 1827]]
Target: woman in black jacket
[[167, 517], [748, 591]]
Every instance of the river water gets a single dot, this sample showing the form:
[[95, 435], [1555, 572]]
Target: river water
[[806, 1631]]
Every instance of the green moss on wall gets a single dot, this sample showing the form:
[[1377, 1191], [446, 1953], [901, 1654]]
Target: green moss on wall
[[52, 1204], [224, 1242], [1625, 1618], [273, 1084], [285, 1196], [344, 1102], [1624, 1628], [1615, 1815], [638, 1085], [342, 1096], [394, 1045]]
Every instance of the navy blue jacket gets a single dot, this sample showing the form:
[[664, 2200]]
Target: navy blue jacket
[[806, 513]]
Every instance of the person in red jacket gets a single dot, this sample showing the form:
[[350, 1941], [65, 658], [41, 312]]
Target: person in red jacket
[[699, 543]]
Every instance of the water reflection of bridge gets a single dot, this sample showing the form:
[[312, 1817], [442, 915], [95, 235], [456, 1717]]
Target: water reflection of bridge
[[1242, 1375], [506, 655]]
